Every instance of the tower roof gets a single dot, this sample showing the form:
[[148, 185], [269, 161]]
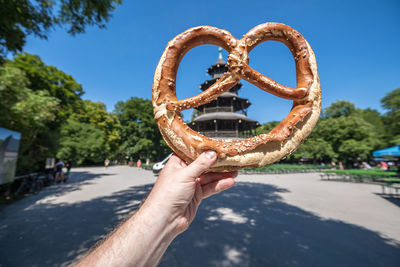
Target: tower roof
[[223, 116], [220, 58], [220, 67]]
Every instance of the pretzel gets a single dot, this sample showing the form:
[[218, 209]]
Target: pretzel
[[255, 151]]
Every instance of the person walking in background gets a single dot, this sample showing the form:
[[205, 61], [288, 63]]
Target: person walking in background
[[333, 164], [106, 163], [139, 163], [68, 174], [366, 166], [59, 173], [341, 166], [384, 166]]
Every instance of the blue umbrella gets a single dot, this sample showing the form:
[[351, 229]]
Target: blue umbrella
[[388, 152]]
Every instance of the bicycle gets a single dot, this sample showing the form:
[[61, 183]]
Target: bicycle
[[30, 184]]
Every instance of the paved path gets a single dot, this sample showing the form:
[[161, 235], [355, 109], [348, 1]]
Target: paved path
[[265, 220]]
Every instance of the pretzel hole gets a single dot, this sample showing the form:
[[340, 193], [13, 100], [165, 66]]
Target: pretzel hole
[[274, 60], [192, 73], [271, 107]]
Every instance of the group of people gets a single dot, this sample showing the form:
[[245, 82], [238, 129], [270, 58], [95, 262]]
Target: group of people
[[59, 175], [340, 165], [107, 163], [361, 165]]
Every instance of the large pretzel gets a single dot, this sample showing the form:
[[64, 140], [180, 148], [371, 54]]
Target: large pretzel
[[251, 152]]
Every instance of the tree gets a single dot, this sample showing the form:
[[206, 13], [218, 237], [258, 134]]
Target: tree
[[95, 113], [36, 99], [351, 148], [339, 108], [28, 112], [266, 127], [57, 83], [391, 102], [337, 131], [374, 118], [82, 142], [344, 133], [351, 132], [20, 18], [315, 148], [139, 133]]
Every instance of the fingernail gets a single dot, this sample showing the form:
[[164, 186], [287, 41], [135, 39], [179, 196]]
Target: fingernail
[[211, 154]]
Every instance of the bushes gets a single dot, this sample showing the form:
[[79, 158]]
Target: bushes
[[147, 166]]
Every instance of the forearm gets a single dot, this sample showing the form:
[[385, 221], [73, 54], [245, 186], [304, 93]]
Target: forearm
[[167, 212], [140, 241]]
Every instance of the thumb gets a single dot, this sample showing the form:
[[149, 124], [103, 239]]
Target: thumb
[[201, 164]]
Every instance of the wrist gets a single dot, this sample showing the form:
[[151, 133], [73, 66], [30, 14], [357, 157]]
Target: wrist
[[152, 231], [156, 214]]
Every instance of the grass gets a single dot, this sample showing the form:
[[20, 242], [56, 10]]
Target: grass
[[390, 180], [147, 166], [374, 174], [283, 168]]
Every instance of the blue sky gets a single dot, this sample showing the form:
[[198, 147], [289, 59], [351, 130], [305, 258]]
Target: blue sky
[[356, 44], [4, 133]]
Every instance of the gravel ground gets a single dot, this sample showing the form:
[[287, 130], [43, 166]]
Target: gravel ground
[[264, 220]]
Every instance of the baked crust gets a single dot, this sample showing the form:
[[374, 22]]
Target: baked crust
[[255, 151]]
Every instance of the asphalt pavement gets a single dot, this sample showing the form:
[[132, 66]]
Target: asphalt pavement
[[264, 220]]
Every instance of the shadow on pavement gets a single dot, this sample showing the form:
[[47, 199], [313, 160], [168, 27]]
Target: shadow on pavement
[[56, 234], [394, 199], [248, 225], [79, 178]]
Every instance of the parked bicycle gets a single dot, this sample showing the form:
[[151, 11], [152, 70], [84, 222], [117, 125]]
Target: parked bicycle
[[29, 184]]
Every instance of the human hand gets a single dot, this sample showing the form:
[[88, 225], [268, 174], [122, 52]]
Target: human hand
[[180, 188], [168, 211]]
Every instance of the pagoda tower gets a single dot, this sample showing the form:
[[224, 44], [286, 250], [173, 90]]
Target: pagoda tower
[[226, 116]]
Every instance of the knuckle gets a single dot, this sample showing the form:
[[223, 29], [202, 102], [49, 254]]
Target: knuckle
[[202, 164]]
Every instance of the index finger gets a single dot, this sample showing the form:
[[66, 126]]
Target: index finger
[[210, 177]]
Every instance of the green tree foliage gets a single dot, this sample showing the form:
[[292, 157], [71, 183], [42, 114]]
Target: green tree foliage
[[391, 102], [26, 111], [82, 142], [343, 132], [139, 132], [336, 130], [346, 133], [37, 100], [266, 127], [339, 108], [45, 105], [95, 113], [57, 83], [316, 149], [374, 118], [353, 149], [20, 18]]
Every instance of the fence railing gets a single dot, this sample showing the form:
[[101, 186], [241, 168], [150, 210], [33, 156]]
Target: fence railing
[[216, 109]]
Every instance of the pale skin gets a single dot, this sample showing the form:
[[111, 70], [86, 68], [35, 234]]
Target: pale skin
[[168, 211]]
